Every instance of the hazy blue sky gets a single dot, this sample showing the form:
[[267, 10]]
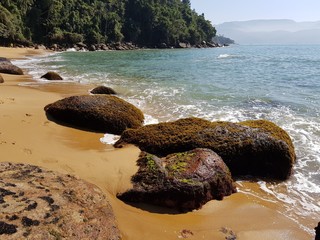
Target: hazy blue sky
[[241, 10]]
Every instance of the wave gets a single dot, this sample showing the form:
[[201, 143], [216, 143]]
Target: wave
[[223, 56]]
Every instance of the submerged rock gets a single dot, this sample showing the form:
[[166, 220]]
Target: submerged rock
[[184, 181], [102, 113], [52, 76], [258, 148], [103, 90], [7, 67], [40, 204]]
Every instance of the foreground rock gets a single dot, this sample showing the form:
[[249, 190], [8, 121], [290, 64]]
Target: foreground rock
[[184, 181], [317, 228], [52, 76], [7, 67], [103, 90], [39, 204], [102, 113], [258, 148]]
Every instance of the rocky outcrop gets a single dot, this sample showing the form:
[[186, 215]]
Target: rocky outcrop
[[259, 148], [103, 90], [40, 204], [52, 76], [101, 113], [7, 67], [184, 181], [1, 79]]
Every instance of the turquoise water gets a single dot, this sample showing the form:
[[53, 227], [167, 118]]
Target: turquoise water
[[236, 83]]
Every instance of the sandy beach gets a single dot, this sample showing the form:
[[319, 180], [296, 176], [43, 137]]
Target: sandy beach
[[27, 136]]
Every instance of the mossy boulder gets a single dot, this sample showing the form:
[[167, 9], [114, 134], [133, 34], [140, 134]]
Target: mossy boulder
[[259, 148], [1, 79], [103, 90], [184, 181], [100, 113], [52, 76], [7, 67]]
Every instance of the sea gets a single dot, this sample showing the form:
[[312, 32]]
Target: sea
[[280, 83]]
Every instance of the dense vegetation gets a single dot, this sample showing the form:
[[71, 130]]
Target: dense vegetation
[[222, 40], [144, 22]]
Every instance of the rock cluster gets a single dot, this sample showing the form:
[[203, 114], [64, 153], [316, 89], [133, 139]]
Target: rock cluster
[[184, 181], [39, 204], [259, 148], [101, 113]]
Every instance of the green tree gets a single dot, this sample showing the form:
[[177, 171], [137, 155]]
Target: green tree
[[145, 22]]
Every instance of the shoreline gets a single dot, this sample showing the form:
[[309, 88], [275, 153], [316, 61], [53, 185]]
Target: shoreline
[[27, 136]]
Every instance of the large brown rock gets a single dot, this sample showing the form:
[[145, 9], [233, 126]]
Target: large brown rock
[[184, 181], [103, 90], [258, 148], [52, 76], [7, 67], [40, 204], [101, 113]]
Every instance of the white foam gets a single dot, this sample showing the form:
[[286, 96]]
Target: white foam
[[109, 139], [221, 56], [71, 50]]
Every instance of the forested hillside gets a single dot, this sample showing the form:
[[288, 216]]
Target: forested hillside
[[65, 22]]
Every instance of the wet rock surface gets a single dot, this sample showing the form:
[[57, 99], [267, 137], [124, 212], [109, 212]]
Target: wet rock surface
[[40, 204], [52, 76], [184, 181]]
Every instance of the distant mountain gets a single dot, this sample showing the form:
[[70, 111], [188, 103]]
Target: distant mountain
[[279, 31]]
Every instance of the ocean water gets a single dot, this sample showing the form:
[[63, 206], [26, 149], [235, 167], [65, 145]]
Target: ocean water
[[236, 83]]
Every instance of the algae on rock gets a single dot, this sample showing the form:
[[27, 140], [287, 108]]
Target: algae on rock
[[259, 147]]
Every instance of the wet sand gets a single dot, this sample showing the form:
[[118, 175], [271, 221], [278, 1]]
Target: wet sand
[[27, 136]]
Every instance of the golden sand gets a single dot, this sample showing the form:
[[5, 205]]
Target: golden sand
[[27, 136]]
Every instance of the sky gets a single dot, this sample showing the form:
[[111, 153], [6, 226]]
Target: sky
[[241, 10]]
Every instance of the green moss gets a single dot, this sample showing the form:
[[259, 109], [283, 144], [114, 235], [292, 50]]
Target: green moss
[[178, 163], [189, 181], [151, 164], [177, 167]]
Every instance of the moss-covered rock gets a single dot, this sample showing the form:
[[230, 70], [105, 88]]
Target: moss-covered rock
[[103, 90], [258, 148], [52, 76], [7, 67], [101, 113], [184, 181]]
